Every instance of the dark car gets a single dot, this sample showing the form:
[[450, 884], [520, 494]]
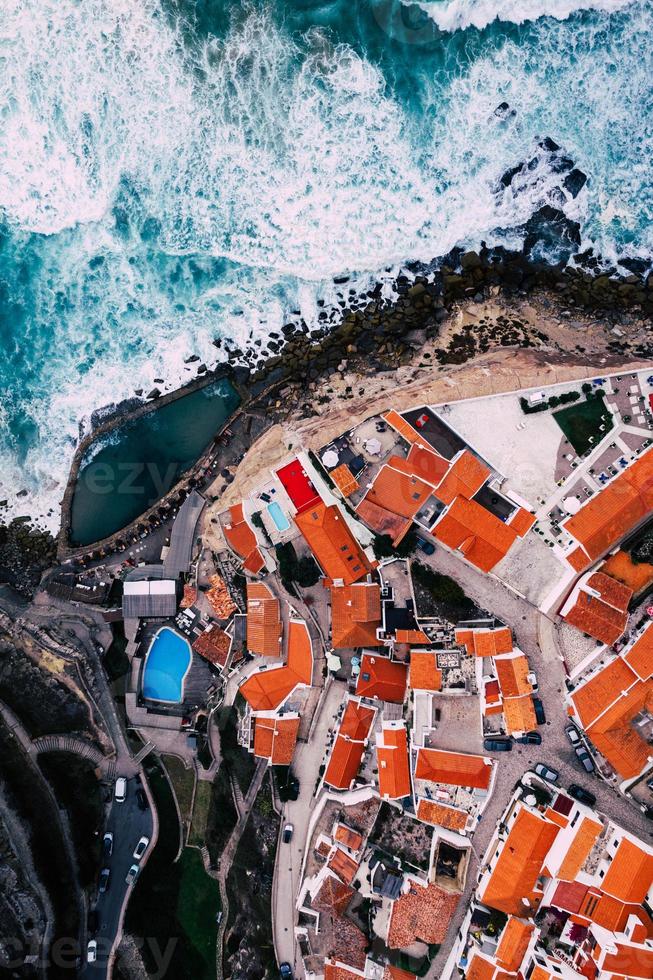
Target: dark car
[[141, 799], [529, 738], [285, 971], [426, 546], [585, 759], [107, 845], [498, 744], [582, 795], [287, 833], [539, 711], [105, 881]]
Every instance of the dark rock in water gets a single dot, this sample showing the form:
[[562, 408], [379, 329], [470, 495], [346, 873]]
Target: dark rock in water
[[159, 381], [503, 111], [551, 235], [155, 393], [508, 177], [202, 369], [638, 267], [556, 197], [339, 280], [560, 164], [548, 144], [22, 493], [192, 359], [575, 181], [470, 260], [138, 391]]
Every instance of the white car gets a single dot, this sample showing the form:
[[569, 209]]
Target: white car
[[132, 874], [120, 790], [141, 847], [91, 951]]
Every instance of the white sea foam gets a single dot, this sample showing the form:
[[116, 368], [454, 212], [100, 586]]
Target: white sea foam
[[457, 15]]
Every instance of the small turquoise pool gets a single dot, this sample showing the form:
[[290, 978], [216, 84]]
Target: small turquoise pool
[[278, 516], [166, 665]]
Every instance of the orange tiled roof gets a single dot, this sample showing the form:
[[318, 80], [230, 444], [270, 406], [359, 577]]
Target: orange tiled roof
[[453, 768], [214, 645], [328, 536], [513, 676], [397, 491], [300, 651], [350, 838], [513, 943], [401, 426], [189, 597], [578, 559], [335, 971], [512, 882], [383, 521], [608, 516], [485, 642], [392, 761], [382, 678], [263, 620], [466, 476], [422, 913], [474, 531], [267, 689], [344, 479], [275, 739], [616, 738], [522, 521], [630, 874], [333, 896], [519, 714], [242, 540], [411, 636], [591, 615], [584, 839], [394, 973], [349, 745], [640, 655], [427, 465], [343, 865], [345, 943], [425, 675], [219, 598], [441, 816], [599, 692], [629, 961], [355, 614], [480, 968], [614, 593]]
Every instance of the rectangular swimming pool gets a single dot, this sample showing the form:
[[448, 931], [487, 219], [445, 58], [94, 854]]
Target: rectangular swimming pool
[[278, 516]]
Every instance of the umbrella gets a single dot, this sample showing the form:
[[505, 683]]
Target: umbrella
[[330, 458], [373, 446]]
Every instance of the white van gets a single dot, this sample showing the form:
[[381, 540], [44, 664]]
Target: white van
[[120, 790]]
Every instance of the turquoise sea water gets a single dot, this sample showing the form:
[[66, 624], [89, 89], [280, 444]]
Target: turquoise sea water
[[176, 170]]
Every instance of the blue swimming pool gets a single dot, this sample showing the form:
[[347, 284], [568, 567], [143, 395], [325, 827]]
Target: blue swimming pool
[[278, 516], [166, 665]]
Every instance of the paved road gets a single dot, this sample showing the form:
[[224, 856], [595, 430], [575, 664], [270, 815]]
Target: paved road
[[128, 824]]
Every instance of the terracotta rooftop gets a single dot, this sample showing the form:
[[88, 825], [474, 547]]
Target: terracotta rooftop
[[344, 942], [600, 608], [521, 521], [427, 465], [639, 656], [424, 675], [335, 971], [355, 615], [395, 973], [630, 874], [485, 642], [421, 914], [481, 537], [266, 689], [189, 597], [513, 943], [383, 521], [349, 746], [411, 636], [219, 598], [350, 838], [512, 672], [466, 476], [344, 479], [442, 816], [263, 620], [382, 678], [343, 864], [599, 692], [392, 761], [511, 887], [519, 714], [628, 961], [214, 645], [275, 739], [241, 539], [453, 768], [480, 967], [611, 514], [333, 896], [585, 836], [398, 491], [617, 738], [328, 536], [400, 425]]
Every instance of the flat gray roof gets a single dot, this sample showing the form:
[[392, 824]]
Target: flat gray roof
[[182, 536]]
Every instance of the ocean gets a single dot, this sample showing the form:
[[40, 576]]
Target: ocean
[[175, 171]]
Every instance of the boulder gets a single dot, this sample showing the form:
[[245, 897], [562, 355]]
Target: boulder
[[574, 182]]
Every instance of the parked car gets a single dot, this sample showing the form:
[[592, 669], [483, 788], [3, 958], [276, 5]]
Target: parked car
[[105, 881], [582, 795], [649, 783], [426, 546], [107, 845], [532, 680], [585, 759], [91, 951], [132, 874], [546, 772], [648, 812], [529, 738], [497, 744], [120, 790], [141, 799], [539, 711], [287, 833], [573, 735], [285, 971], [141, 847]]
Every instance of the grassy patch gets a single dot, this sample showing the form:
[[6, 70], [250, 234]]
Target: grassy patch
[[582, 422], [439, 595], [201, 807], [116, 661], [197, 906], [183, 781], [222, 816]]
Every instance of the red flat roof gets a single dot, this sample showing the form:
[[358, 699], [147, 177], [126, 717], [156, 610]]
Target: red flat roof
[[297, 485]]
